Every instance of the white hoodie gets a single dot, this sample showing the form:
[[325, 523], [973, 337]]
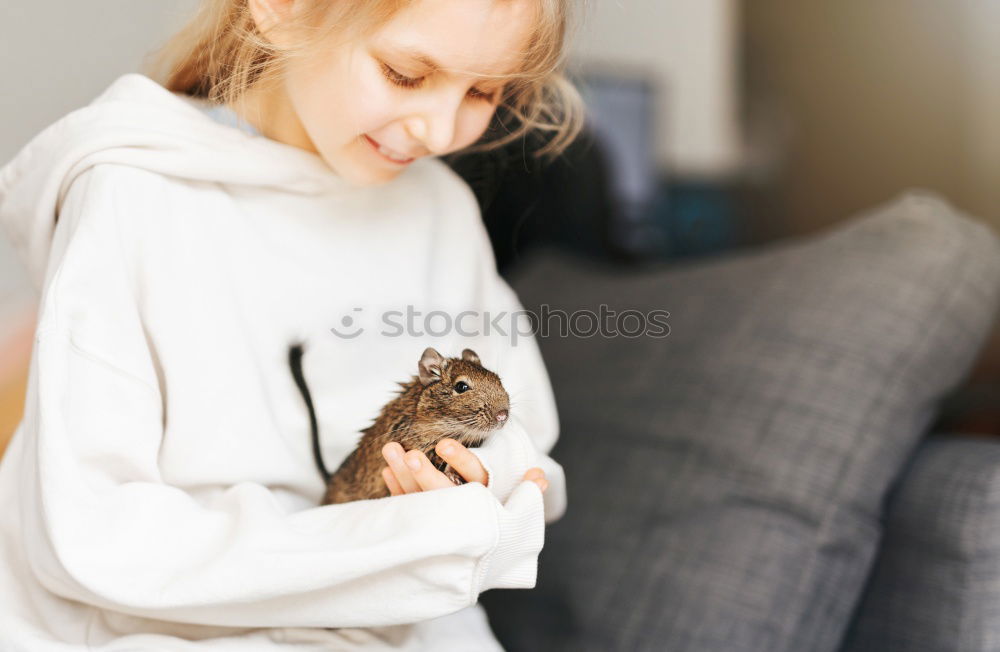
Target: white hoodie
[[160, 492]]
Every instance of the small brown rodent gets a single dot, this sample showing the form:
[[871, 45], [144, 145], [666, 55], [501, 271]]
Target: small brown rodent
[[449, 397]]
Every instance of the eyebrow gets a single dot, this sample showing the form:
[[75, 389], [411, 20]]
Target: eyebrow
[[429, 61], [425, 59]]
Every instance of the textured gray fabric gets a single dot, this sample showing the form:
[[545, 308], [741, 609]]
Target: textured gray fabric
[[936, 583], [726, 482]]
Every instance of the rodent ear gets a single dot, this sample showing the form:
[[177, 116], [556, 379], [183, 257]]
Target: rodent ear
[[470, 356], [430, 366]]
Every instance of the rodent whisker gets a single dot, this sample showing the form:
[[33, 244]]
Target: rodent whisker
[[468, 421], [517, 399]]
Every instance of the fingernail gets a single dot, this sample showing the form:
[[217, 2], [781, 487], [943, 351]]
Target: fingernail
[[392, 453], [413, 462], [447, 448]]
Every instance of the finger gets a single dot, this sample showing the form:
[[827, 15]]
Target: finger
[[537, 476], [424, 472], [462, 460], [391, 481], [534, 473], [393, 454]]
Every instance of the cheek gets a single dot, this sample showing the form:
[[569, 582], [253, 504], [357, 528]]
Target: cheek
[[472, 123], [371, 103], [339, 101]]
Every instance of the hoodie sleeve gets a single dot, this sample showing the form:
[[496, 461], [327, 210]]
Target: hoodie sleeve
[[534, 426], [101, 526]]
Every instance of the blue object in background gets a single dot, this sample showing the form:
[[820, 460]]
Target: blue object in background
[[620, 112], [695, 218], [657, 216]]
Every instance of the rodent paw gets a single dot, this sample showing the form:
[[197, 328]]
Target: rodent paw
[[453, 475]]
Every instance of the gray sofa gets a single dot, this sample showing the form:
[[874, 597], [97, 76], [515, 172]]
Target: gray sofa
[[764, 477]]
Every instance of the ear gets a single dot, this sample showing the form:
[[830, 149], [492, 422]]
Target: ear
[[470, 356], [430, 366], [270, 16]]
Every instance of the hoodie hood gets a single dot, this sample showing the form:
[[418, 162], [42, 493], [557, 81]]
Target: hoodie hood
[[138, 122]]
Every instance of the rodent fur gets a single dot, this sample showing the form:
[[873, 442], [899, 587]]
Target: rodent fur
[[428, 408]]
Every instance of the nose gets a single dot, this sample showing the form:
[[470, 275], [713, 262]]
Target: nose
[[502, 416], [435, 125]]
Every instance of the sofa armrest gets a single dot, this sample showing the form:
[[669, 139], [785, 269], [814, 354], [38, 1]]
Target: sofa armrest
[[935, 586]]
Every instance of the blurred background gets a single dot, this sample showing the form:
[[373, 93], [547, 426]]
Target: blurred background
[[722, 124]]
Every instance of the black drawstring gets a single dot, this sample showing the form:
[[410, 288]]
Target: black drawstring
[[295, 362]]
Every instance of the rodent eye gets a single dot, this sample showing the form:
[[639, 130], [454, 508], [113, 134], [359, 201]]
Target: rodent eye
[[461, 386]]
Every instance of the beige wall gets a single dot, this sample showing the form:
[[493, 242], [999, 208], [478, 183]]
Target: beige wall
[[872, 98], [982, 166], [60, 54], [688, 50]]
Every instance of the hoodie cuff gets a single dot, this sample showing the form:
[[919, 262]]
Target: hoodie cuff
[[513, 561], [506, 456]]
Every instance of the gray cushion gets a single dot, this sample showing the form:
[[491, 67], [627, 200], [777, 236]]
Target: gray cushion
[[726, 481], [936, 584]]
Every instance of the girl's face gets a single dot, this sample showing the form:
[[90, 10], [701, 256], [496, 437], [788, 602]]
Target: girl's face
[[371, 106]]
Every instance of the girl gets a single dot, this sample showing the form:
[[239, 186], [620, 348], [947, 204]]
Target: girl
[[281, 185]]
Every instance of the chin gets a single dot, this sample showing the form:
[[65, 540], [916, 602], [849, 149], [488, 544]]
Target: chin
[[358, 165], [362, 176]]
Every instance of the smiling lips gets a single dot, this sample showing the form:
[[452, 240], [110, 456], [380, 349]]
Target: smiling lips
[[388, 154]]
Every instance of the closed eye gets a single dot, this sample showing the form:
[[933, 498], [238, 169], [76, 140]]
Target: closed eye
[[400, 79], [403, 81]]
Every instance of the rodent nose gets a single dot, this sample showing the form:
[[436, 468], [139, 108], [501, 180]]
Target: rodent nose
[[502, 416]]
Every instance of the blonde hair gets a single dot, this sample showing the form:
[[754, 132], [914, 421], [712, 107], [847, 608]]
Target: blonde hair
[[220, 54]]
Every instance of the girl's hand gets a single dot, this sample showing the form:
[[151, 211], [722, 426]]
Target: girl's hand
[[411, 471]]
